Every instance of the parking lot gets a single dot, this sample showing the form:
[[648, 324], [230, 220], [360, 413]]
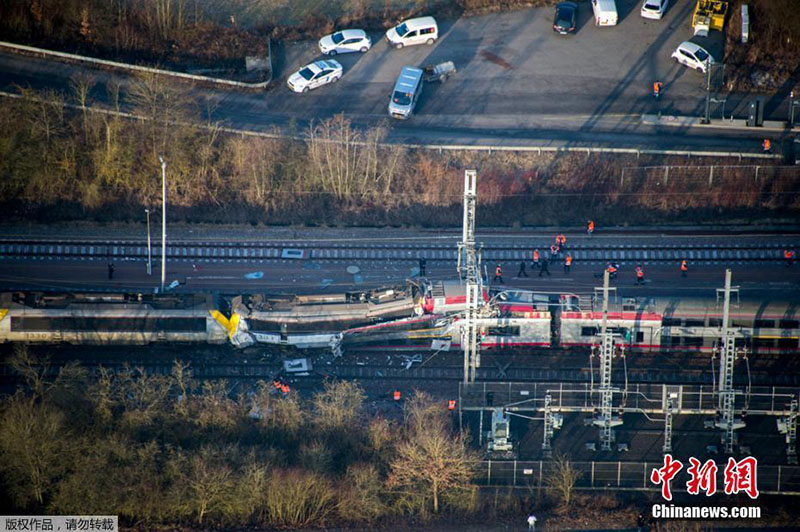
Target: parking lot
[[514, 70]]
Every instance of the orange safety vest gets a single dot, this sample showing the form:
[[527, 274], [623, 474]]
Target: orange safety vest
[[498, 271], [788, 254], [451, 404], [554, 249], [561, 239], [639, 272], [396, 395], [536, 254], [684, 266], [591, 226], [612, 269], [285, 388], [767, 144], [656, 87], [568, 260]]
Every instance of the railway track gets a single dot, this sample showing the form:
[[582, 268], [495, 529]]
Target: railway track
[[771, 372], [586, 250]]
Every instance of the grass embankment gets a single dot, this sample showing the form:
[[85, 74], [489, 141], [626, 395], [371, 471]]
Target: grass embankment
[[770, 60], [61, 164]]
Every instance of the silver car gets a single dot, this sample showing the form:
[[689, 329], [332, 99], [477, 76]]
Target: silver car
[[345, 41]]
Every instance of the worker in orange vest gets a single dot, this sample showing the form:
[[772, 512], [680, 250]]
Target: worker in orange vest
[[639, 274], [590, 227], [451, 404], [657, 89], [285, 389], [612, 271], [498, 275], [536, 258], [567, 263], [684, 268], [788, 256], [767, 144]]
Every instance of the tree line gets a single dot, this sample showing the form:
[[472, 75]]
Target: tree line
[[168, 450], [62, 162]]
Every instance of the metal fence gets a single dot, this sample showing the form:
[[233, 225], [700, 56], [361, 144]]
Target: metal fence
[[640, 397], [710, 173], [615, 476]]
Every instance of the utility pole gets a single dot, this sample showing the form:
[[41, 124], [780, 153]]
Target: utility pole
[[606, 421], [149, 248], [468, 266], [726, 394], [707, 115], [163, 221]]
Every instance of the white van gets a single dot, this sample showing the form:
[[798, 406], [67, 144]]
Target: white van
[[605, 12], [421, 30], [406, 93]]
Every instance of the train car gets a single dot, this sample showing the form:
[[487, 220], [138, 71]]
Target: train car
[[315, 321], [692, 324], [686, 324], [117, 319]]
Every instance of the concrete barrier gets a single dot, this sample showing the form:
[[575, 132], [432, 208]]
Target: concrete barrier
[[21, 48]]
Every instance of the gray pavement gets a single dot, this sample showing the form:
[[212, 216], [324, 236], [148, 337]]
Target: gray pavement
[[518, 82]]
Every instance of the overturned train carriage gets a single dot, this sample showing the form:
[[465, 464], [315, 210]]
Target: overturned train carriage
[[36, 317]]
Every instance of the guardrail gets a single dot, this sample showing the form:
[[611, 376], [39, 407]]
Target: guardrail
[[434, 147], [137, 68], [618, 476]]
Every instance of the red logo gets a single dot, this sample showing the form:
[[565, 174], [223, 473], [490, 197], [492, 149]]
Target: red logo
[[702, 477], [665, 474], [741, 476]]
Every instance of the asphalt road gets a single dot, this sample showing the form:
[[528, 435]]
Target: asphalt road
[[518, 83]]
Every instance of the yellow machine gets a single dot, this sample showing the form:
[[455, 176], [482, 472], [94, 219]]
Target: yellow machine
[[709, 15]]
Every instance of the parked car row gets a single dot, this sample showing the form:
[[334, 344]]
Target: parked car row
[[408, 87], [424, 30], [688, 53]]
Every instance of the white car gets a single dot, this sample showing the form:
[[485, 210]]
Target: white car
[[315, 75], [693, 56], [654, 8], [345, 41]]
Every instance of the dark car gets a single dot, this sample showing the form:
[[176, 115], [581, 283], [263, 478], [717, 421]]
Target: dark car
[[566, 16]]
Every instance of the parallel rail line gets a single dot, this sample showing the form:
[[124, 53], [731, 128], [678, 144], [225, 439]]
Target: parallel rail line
[[265, 251]]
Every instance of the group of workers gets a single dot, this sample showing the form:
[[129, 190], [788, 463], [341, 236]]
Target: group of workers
[[281, 387]]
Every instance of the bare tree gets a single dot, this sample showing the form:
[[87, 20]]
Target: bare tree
[[30, 448], [431, 459], [562, 479], [348, 162], [338, 405], [81, 85], [205, 483]]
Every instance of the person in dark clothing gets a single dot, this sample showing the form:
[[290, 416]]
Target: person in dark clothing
[[422, 264], [110, 270], [544, 269], [522, 272]]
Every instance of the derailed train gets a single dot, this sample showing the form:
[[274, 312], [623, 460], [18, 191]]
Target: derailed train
[[423, 315]]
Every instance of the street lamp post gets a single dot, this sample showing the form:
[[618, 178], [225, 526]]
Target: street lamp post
[[163, 221], [149, 253]]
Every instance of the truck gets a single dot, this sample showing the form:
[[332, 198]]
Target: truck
[[709, 15]]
